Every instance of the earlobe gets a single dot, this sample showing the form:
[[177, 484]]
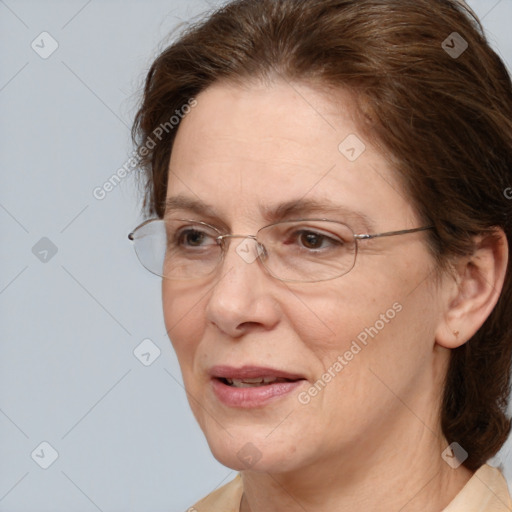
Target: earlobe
[[473, 289]]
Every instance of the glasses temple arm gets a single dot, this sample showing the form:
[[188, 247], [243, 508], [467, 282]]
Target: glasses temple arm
[[368, 236]]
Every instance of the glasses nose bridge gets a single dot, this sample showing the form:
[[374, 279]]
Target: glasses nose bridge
[[261, 249], [221, 238]]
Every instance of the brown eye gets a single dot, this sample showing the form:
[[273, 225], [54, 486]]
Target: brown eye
[[192, 238], [311, 240], [314, 240]]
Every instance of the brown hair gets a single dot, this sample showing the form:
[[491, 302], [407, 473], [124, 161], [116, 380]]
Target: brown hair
[[444, 119]]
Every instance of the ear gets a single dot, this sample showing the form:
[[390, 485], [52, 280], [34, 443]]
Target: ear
[[470, 295]]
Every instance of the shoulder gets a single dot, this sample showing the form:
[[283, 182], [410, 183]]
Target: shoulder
[[486, 491], [225, 499]]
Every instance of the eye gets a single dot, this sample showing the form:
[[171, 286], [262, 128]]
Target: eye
[[314, 240], [181, 236], [311, 240], [193, 238]]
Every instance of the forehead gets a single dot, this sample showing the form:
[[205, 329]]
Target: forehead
[[245, 149]]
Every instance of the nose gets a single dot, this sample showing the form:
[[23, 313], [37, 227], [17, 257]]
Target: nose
[[242, 300]]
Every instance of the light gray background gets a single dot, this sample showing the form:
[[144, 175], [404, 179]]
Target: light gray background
[[124, 434]]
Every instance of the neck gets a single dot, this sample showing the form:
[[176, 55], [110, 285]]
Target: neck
[[406, 474]]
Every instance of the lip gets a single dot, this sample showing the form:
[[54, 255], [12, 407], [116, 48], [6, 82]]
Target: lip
[[250, 372], [258, 396]]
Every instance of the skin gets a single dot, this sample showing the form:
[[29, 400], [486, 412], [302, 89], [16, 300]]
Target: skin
[[371, 439]]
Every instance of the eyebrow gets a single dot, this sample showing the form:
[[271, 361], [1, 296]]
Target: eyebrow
[[296, 208]]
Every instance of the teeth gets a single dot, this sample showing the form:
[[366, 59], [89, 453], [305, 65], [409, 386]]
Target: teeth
[[249, 383], [258, 381]]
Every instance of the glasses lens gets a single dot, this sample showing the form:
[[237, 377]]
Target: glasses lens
[[300, 251], [177, 249], [149, 242], [308, 250]]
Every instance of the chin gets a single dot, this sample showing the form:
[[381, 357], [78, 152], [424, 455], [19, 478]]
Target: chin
[[253, 451]]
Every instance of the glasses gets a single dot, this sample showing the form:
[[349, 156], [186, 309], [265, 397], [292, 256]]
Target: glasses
[[303, 250]]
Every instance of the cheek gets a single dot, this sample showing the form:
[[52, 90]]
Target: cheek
[[184, 321], [329, 317], [382, 323], [361, 368]]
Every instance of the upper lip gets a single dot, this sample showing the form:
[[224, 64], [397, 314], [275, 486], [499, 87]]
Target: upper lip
[[250, 372]]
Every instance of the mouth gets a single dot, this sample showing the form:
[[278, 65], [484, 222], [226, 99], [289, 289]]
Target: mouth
[[256, 382], [252, 386]]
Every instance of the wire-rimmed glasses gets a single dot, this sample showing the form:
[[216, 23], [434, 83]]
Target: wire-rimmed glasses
[[301, 250]]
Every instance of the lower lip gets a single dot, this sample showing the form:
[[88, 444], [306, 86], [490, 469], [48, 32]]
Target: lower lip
[[257, 396]]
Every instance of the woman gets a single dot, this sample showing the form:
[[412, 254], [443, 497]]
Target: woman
[[329, 180]]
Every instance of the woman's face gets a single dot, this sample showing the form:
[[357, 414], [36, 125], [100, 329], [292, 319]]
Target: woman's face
[[356, 349]]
